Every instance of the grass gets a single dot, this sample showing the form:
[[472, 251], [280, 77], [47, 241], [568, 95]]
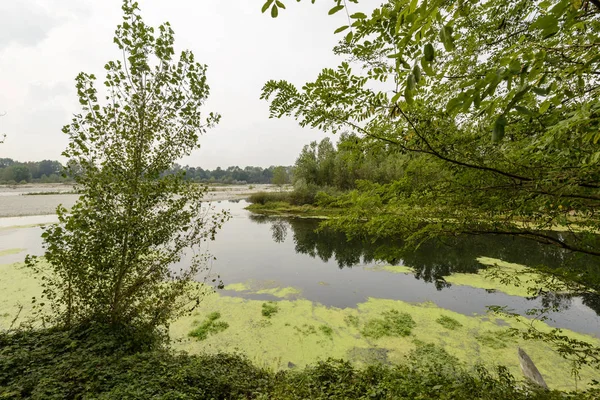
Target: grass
[[210, 326], [448, 322], [393, 323], [269, 309]]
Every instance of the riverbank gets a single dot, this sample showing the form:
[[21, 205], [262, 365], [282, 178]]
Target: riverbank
[[42, 199]]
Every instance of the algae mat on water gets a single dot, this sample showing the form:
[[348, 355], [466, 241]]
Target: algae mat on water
[[302, 332]]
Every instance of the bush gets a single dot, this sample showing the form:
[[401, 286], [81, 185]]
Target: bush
[[99, 364], [269, 197]]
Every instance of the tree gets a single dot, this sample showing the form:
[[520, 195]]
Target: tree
[[111, 257], [280, 176], [502, 96]]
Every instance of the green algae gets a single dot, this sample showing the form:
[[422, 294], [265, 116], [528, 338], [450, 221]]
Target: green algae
[[269, 309], [448, 322], [210, 326], [522, 282], [395, 269], [393, 323], [17, 288], [9, 252], [265, 287], [295, 337]]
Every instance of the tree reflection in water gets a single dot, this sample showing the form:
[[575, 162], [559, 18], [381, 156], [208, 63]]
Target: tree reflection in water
[[435, 259]]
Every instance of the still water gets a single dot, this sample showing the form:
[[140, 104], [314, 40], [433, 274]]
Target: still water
[[328, 269]]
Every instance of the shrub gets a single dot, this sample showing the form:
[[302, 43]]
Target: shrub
[[268, 197]]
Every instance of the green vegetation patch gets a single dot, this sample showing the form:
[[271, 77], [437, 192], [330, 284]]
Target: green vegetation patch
[[9, 252], [509, 278], [275, 342], [326, 330], [102, 365], [269, 309], [210, 326], [393, 323], [395, 269], [448, 322], [265, 287], [498, 339]]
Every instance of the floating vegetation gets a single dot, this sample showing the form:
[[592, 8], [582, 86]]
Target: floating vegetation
[[269, 309], [393, 323], [495, 339], [352, 320], [210, 326], [306, 329], [327, 331], [448, 322]]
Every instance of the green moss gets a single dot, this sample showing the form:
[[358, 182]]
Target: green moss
[[269, 309], [448, 322], [393, 323], [210, 326]]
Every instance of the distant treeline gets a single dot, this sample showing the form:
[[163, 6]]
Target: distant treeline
[[235, 174], [49, 171], [46, 171]]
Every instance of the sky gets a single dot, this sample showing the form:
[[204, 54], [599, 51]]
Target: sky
[[44, 44]]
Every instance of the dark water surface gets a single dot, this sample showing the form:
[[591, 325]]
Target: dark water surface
[[335, 272]]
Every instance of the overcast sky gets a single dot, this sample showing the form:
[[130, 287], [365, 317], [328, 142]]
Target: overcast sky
[[45, 43]]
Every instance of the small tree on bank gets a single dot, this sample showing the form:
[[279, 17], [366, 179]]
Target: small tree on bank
[[110, 257], [280, 176]]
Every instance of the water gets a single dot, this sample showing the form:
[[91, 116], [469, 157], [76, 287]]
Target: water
[[332, 271]]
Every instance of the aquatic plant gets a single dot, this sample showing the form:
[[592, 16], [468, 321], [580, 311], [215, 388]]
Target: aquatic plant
[[448, 322], [269, 309], [210, 326], [393, 323]]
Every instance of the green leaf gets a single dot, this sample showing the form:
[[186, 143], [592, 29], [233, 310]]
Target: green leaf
[[341, 29], [499, 127], [274, 11], [410, 82], [427, 67], [266, 6], [358, 15], [417, 73], [524, 110], [540, 91], [544, 106], [280, 4], [335, 9], [429, 52]]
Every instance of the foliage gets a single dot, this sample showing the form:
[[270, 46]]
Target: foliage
[[269, 309], [502, 97], [393, 323], [210, 326], [111, 255], [100, 364], [280, 176], [46, 171], [268, 197], [232, 174]]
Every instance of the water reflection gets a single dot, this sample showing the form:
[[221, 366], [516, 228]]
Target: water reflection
[[435, 259]]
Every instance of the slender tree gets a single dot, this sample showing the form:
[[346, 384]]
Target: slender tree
[[111, 258]]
